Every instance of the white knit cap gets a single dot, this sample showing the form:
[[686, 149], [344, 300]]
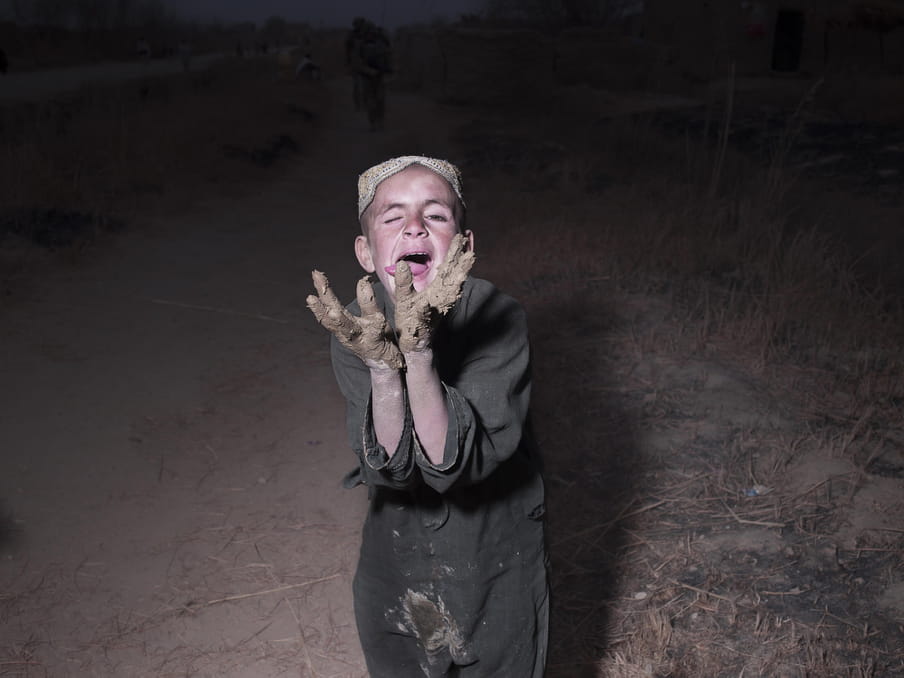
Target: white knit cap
[[372, 178]]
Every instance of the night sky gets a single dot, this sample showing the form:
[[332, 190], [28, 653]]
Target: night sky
[[318, 13]]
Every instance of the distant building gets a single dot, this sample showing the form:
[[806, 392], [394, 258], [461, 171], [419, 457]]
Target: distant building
[[781, 36]]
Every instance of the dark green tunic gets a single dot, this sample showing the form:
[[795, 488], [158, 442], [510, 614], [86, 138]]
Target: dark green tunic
[[452, 571]]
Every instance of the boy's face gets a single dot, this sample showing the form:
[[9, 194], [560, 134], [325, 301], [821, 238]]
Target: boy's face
[[412, 217]]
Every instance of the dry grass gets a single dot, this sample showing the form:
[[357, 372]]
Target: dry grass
[[104, 156], [700, 349]]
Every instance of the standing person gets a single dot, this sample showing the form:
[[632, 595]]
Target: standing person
[[373, 63], [307, 68], [435, 368], [4, 63], [185, 55], [353, 44], [143, 49]]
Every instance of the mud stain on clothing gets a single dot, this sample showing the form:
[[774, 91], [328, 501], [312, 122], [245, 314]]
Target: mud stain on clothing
[[426, 617]]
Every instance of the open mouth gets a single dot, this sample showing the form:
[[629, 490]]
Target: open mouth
[[418, 262]]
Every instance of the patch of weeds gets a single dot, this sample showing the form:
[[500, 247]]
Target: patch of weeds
[[686, 540], [53, 228], [539, 164], [266, 156]]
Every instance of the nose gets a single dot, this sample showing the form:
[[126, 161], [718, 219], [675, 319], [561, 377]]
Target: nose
[[414, 227]]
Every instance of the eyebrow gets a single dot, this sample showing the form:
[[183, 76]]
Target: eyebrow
[[431, 201]]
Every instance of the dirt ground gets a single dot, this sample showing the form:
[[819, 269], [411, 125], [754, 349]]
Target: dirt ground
[[173, 444], [173, 438]]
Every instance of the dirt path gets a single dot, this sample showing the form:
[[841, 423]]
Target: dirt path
[[173, 438]]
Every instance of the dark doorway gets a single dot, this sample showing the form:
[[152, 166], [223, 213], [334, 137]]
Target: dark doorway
[[789, 36]]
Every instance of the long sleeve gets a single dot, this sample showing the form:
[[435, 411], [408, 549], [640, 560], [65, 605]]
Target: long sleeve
[[484, 363], [483, 358], [375, 466]]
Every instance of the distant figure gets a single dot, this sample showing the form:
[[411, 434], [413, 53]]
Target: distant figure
[[143, 49], [372, 63], [352, 48], [285, 64], [756, 19], [239, 50], [185, 55], [307, 69], [4, 63], [376, 50]]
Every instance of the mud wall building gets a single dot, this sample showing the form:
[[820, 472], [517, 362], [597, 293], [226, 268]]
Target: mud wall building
[[778, 36], [666, 46]]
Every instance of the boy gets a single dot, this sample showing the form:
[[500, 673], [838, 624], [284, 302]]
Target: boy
[[435, 368]]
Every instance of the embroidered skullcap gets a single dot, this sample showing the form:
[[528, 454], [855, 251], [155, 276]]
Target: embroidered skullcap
[[369, 180]]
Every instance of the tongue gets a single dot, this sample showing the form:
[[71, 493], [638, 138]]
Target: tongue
[[416, 267]]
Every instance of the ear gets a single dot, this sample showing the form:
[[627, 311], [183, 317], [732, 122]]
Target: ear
[[469, 234], [363, 253]]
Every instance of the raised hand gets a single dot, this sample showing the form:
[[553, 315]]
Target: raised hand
[[368, 336], [418, 312]]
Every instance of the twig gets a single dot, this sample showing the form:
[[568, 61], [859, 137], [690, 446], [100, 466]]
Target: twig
[[256, 633], [702, 591], [723, 138], [288, 587], [816, 486], [304, 642], [605, 526], [857, 427], [864, 627], [783, 593], [744, 521], [665, 562], [225, 311]]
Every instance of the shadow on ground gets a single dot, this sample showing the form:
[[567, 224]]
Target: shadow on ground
[[9, 531], [591, 466]]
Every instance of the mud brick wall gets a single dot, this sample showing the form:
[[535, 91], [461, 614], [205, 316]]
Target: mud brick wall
[[587, 56], [474, 65], [490, 66]]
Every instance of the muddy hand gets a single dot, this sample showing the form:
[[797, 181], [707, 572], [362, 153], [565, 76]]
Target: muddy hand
[[418, 312], [368, 336]]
